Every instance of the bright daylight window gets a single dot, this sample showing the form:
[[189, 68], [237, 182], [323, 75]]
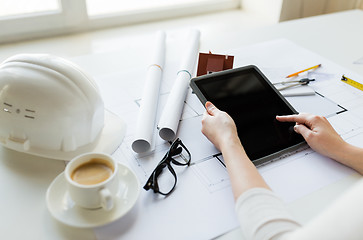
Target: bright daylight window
[[24, 19], [101, 7], [20, 7]]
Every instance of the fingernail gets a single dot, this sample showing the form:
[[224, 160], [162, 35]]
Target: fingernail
[[210, 106]]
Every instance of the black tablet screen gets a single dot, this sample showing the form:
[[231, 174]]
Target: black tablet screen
[[253, 103]]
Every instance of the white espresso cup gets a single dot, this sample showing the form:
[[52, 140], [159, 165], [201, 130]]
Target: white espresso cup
[[92, 180]]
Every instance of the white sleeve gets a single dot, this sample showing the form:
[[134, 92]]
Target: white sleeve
[[263, 215], [343, 219]]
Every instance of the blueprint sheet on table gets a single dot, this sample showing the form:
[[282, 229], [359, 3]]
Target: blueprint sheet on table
[[202, 205]]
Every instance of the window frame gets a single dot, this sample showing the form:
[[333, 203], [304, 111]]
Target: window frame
[[73, 17]]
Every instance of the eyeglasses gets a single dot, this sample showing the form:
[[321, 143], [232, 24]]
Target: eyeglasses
[[177, 154]]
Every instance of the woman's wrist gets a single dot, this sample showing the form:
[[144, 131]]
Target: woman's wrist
[[230, 144], [342, 154], [351, 156]]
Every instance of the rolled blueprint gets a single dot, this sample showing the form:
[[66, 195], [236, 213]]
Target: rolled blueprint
[[143, 140], [172, 111]]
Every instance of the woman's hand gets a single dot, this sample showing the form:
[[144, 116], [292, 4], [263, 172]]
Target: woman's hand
[[219, 127], [318, 133], [221, 130]]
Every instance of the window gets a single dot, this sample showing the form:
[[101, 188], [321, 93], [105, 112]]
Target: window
[[101, 7], [22, 7], [23, 19]]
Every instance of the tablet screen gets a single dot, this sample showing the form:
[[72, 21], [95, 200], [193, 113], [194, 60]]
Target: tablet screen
[[253, 103]]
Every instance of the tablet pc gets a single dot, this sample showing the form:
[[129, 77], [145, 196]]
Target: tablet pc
[[253, 103]]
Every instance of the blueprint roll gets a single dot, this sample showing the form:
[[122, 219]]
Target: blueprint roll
[[169, 120], [146, 121]]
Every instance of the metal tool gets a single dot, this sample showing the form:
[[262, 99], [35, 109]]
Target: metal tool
[[304, 81]]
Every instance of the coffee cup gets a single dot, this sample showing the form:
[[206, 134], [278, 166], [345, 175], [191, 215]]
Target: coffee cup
[[92, 180]]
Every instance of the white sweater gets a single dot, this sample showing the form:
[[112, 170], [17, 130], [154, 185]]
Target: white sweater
[[263, 215]]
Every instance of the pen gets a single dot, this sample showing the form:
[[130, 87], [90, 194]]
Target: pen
[[297, 73]]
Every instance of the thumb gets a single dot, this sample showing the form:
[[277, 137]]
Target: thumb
[[211, 109], [302, 129]]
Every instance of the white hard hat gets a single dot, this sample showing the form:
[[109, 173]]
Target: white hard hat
[[51, 108]]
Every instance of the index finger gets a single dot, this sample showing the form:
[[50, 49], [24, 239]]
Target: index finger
[[300, 118]]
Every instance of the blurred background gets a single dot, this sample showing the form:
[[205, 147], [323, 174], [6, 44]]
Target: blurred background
[[27, 19]]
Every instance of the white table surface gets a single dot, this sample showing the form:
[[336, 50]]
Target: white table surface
[[24, 179]]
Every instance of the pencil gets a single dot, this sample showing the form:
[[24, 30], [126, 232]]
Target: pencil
[[297, 73]]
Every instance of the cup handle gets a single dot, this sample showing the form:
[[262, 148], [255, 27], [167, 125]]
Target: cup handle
[[106, 199]]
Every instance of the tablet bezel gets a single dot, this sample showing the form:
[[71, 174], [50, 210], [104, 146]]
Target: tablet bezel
[[223, 74]]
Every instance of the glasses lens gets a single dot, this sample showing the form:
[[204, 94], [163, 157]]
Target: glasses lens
[[181, 159], [180, 154], [166, 179]]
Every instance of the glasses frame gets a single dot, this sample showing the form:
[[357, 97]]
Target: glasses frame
[[175, 149]]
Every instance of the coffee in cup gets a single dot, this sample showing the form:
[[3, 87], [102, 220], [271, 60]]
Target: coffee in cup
[[92, 180], [96, 170]]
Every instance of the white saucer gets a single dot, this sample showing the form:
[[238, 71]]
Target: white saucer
[[64, 209]]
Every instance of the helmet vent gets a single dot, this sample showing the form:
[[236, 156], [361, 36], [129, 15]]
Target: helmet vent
[[7, 107], [29, 113], [27, 116]]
